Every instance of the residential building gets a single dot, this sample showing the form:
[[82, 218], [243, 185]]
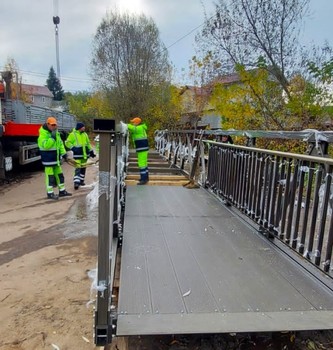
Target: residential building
[[39, 96], [197, 107]]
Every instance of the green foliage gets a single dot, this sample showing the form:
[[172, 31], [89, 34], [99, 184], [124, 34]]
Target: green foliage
[[305, 104], [290, 87], [252, 102], [291, 146], [257, 101], [165, 112], [87, 106], [54, 86], [324, 73]]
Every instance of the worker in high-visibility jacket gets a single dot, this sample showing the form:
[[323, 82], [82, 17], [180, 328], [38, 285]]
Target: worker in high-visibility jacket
[[78, 142], [138, 132], [52, 151]]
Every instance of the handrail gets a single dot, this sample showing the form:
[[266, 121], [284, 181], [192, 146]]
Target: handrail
[[305, 135], [288, 195]]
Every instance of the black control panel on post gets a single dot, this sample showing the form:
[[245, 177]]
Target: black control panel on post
[[104, 125]]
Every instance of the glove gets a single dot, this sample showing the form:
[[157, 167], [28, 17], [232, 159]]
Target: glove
[[65, 157], [92, 154], [54, 134]]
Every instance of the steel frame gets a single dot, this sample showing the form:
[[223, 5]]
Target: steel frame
[[111, 206]]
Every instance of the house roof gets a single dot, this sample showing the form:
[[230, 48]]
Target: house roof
[[228, 79], [35, 90], [207, 89], [197, 90]]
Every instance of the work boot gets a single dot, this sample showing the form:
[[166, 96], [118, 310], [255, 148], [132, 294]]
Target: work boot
[[82, 183], [76, 186], [64, 193], [142, 182], [52, 196]]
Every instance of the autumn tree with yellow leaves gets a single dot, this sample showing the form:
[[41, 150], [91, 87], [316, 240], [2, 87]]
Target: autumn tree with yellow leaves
[[280, 86], [87, 106], [257, 101]]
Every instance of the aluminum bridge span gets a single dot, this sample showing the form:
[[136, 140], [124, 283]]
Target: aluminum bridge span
[[190, 264]]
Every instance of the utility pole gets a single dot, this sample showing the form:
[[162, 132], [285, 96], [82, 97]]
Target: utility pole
[[56, 21]]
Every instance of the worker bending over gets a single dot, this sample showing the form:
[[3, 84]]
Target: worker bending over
[[138, 132]]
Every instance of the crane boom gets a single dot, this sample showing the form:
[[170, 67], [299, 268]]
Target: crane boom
[[56, 21]]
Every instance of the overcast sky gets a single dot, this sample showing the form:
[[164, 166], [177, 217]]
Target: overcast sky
[[28, 34]]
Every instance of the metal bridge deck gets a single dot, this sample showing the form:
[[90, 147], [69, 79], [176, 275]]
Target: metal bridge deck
[[190, 265]]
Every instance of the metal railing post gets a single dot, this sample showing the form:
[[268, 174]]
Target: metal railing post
[[103, 326]]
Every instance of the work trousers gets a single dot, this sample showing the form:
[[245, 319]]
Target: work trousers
[[143, 165], [54, 177], [80, 173]]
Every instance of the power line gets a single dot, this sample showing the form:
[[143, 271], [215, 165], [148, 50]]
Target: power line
[[85, 80], [189, 33], [43, 75]]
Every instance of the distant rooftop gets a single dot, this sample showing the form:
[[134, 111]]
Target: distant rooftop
[[36, 90]]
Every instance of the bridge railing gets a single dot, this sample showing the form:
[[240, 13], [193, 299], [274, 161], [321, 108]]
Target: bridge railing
[[113, 154], [289, 196]]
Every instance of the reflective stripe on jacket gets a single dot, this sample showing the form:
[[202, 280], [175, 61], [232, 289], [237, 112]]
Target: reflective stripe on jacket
[[139, 136], [50, 149], [79, 143]]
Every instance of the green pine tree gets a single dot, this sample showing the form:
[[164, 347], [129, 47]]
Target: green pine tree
[[54, 85]]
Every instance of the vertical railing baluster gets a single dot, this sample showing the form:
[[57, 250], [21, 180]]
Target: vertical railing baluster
[[292, 196], [295, 233], [307, 205], [286, 199], [323, 216], [259, 190], [314, 212], [274, 197]]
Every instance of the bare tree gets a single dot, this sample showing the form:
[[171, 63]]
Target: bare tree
[[257, 32], [129, 61]]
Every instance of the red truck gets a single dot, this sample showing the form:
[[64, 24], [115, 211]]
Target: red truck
[[19, 125]]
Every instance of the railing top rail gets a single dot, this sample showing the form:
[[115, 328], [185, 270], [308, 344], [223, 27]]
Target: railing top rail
[[304, 157], [305, 135]]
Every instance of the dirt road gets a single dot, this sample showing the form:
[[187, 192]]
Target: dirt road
[[46, 250]]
